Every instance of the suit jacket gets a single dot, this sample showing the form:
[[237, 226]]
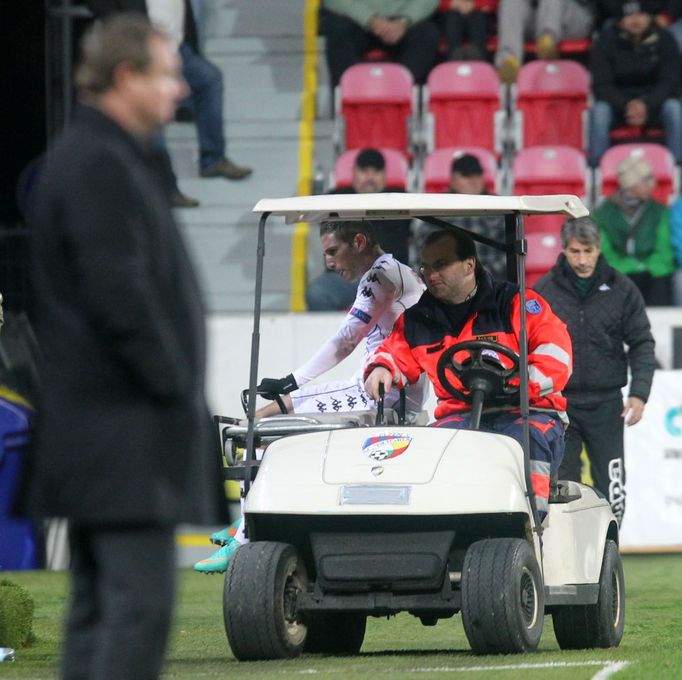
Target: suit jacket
[[123, 432]]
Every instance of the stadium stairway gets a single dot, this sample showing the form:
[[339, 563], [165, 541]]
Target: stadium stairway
[[258, 45]]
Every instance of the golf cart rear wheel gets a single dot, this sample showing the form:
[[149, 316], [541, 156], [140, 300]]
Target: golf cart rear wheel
[[259, 602], [600, 624], [336, 633], [502, 597]]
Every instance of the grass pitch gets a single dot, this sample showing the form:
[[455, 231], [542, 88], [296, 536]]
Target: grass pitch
[[396, 648]]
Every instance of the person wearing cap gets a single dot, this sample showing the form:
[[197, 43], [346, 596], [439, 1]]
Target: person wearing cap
[[606, 318], [547, 21], [635, 68], [635, 232], [404, 27]]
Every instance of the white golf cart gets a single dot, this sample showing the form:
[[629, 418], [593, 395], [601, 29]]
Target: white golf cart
[[356, 515]]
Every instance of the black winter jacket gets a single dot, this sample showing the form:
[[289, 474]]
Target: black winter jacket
[[613, 313], [622, 70]]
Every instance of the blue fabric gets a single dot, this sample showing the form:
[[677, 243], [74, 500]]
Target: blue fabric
[[205, 81]]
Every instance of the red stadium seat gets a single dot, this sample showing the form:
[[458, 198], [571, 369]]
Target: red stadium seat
[[397, 170], [549, 170], [436, 171], [463, 103], [658, 156], [374, 105], [550, 104], [543, 250]]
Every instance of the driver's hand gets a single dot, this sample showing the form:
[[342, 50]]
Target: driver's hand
[[379, 376], [633, 410], [278, 385]]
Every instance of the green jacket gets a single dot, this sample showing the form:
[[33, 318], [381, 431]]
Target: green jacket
[[362, 12], [644, 247]]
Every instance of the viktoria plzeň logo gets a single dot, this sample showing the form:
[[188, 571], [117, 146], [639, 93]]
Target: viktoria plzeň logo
[[385, 446]]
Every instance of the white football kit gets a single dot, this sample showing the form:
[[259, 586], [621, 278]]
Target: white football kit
[[385, 291]]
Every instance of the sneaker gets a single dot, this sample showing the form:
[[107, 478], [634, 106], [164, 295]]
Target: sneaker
[[217, 563], [224, 536], [179, 200], [509, 69], [547, 47], [226, 168]]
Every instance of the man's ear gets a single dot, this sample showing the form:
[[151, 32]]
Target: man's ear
[[360, 242]]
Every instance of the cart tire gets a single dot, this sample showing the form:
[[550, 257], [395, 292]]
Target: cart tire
[[502, 597], [339, 633], [600, 624], [259, 602]]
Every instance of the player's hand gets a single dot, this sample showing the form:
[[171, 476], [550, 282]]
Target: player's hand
[[278, 385], [633, 410], [379, 376]]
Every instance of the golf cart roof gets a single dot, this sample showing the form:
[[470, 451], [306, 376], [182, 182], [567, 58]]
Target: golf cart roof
[[392, 206]]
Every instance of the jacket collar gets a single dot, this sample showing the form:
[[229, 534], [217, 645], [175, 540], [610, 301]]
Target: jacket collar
[[564, 275]]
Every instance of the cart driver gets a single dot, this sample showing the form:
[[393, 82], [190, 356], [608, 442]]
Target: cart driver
[[463, 302], [386, 288]]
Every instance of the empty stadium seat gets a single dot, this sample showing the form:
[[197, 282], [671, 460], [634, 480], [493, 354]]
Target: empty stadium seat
[[658, 156], [462, 104], [549, 106], [436, 170], [549, 170], [374, 103], [543, 250], [397, 169]]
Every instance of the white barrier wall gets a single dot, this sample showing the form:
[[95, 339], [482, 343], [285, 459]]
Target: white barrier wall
[[653, 517]]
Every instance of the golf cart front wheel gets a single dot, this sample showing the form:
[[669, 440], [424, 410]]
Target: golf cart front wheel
[[502, 597], [259, 602], [600, 624], [336, 633]]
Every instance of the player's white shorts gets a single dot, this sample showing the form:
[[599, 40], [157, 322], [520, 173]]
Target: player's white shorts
[[343, 396]]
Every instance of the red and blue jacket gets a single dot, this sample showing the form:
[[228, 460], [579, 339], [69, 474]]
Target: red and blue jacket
[[424, 331]]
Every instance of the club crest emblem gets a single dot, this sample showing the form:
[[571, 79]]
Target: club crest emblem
[[385, 446]]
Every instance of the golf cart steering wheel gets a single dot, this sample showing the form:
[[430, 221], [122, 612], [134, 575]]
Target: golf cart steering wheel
[[483, 376], [478, 371], [265, 395]]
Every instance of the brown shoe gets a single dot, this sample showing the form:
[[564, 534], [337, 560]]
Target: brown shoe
[[179, 200], [547, 47], [226, 168]]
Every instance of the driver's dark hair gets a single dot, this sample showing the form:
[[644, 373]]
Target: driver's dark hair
[[463, 246], [345, 230], [581, 229]]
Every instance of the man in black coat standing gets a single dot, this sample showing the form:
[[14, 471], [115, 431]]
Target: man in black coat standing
[[123, 447], [603, 310]]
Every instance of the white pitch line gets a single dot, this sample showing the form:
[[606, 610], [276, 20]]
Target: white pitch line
[[610, 670]]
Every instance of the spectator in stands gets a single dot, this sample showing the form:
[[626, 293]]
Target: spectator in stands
[[465, 26], [635, 232], [205, 82], [101, 9], [666, 14], [546, 21], [676, 235], [603, 311], [403, 27], [123, 439], [328, 292], [635, 67]]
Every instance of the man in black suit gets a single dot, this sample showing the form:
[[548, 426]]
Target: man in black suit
[[123, 447]]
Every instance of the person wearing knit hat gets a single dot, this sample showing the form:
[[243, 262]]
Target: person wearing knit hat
[[635, 232], [635, 67]]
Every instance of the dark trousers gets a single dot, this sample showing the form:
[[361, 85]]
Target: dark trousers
[[600, 428], [122, 589], [460, 28], [347, 41]]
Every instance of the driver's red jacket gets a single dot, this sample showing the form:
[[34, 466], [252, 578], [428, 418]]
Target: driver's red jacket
[[423, 331]]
